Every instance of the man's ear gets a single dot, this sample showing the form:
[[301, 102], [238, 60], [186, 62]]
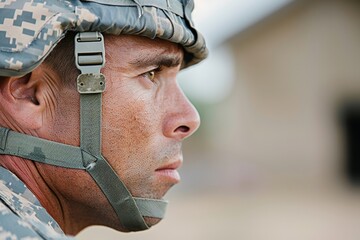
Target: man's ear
[[20, 100]]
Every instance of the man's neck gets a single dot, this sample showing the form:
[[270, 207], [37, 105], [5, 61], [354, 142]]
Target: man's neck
[[72, 216]]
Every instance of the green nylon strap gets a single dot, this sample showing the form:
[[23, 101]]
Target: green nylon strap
[[151, 207], [62, 155], [106, 178], [118, 196], [90, 86], [41, 150], [90, 131]]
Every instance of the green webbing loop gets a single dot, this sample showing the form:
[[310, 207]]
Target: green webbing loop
[[151, 207]]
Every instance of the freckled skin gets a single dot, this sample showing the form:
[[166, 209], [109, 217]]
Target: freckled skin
[[143, 125], [138, 125]]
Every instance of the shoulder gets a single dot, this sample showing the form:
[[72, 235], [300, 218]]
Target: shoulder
[[12, 227], [21, 214]]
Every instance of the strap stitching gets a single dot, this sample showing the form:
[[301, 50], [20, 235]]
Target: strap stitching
[[4, 136]]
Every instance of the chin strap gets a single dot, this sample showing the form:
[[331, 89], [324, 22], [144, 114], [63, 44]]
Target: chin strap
[[130, 210], [90, 58]]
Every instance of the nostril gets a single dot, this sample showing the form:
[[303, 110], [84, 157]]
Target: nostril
[[183, 129]]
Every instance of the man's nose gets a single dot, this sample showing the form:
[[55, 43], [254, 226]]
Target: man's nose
[[182, 119]]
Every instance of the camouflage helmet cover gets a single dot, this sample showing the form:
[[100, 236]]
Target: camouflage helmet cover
[[30, 29]]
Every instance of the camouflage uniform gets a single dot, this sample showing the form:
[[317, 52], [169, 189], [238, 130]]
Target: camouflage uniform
[[21, 214]]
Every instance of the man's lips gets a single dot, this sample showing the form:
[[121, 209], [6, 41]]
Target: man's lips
[[172, 166], [169, 171]]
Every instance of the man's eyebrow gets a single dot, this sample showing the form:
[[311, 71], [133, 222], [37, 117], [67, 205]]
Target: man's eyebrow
[[166, 60]]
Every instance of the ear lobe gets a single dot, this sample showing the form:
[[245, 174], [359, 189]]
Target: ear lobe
[[20, 102]]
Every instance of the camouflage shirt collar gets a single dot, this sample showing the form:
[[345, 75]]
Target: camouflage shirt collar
[[20, 200]]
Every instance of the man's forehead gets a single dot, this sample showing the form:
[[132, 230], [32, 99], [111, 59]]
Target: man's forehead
[[140, 41], [139, 50]]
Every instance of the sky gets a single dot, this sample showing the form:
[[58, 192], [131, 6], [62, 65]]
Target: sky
[[218, 20]]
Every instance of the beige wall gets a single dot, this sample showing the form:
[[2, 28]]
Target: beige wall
[[293, 70]]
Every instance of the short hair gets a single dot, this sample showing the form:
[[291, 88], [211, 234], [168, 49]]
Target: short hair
[[62, 60]]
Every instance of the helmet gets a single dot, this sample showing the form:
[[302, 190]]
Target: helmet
[[30, 29]]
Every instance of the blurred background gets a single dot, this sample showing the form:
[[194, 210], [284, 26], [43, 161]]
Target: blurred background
[[278, 152]]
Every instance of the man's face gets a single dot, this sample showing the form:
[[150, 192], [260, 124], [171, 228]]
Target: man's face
[[145, 114], [145, 118]]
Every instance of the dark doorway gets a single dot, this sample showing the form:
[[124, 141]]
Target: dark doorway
[[350, 116]]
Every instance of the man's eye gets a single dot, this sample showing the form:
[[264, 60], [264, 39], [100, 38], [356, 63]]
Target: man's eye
[[150, 75], [153, 74]]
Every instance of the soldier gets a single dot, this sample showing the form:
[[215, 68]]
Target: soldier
[[84, 142]]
